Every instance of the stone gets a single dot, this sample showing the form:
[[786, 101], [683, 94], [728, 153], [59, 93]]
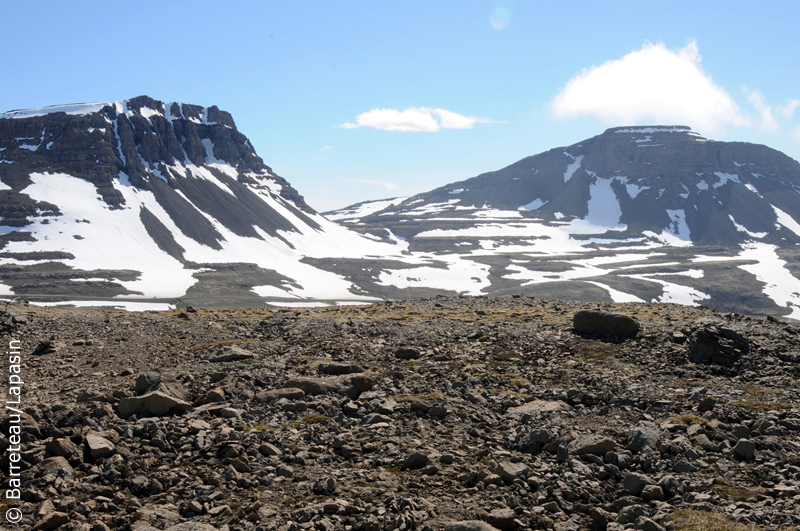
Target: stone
[[62, 447], [415, 460], [670, 486], [469, 525], [58, 466], [51, 521], [350, 385], [166, 383], [684, 467], [191, 526], [630, 514], [336, 368], [407, 354], [745, 448], [535, 407], [635, 482], [99, 447], [155, 403], [607, 324], [289, 393], [652, 492], [502, 518], [591, 444], [534, 441], [232, 353], [645, 435], [509, 471]]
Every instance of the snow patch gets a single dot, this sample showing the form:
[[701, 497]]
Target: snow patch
[[786, 220], [533, 205], [779, 283], [572, 168]]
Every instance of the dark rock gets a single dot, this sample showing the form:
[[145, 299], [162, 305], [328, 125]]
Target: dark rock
[[606, 324]]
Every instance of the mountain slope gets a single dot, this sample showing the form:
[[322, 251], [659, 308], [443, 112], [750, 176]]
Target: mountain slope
[[654, 213], [140, 198]]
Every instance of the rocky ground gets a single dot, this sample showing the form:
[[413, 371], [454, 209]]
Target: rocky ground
[[446, 413]]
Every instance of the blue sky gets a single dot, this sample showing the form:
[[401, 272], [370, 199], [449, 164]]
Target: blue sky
[[353, 101]]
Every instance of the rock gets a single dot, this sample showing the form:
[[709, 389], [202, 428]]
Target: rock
[[58, 466], [99, 447], [652, 492], [598, 323], [155, 403], [509, 471], [336, 368], [232, 353], [636, 482], [535, 407], [684, 467], [407, 354], [745, 448], [591, 444], [469, 525], [191, 526], [630, 514], [289, 393], [670, 486], [351, 385], [534, 441], [51, 521], [645, 435], [716, 345], [502, 518], [646, 524], [415, 460], [62, 447], [165, 383]]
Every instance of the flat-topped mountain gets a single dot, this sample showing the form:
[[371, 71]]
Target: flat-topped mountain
[[657, 213], [140, 198], [631, 180]]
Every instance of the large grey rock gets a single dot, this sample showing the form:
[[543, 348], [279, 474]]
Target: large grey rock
[[535, 407], [745, 448], [350, 385], [510, 471], [645, 435], [155, 403], [99, 446], [166, 383], [469, 525], [232, 353], [598, 323], [58, 466], [591, 444], [192, 526], [336, 368], [636, 482]]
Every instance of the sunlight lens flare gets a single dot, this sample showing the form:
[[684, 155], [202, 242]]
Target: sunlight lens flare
[[500, 18]]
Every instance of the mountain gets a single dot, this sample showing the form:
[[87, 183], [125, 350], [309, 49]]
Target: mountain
[[140, 199], [657, 213]]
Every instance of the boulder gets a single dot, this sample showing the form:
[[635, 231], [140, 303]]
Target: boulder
[[99, 447], [232, 353], [591, 444], [350, 385], [644, 435], [606, 324], [155, 403]]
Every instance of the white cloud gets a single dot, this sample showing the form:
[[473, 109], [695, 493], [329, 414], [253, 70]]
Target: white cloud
[[654, 85], [417, 119], [768, 121], [325, 149], [788, 110]]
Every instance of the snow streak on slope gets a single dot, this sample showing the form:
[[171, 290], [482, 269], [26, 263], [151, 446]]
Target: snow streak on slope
[[117, 240]]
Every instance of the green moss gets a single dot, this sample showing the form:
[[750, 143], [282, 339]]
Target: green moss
[[691, 520]]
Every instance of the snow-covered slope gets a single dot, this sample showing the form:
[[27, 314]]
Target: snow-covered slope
[[139, 200], [656, 213]]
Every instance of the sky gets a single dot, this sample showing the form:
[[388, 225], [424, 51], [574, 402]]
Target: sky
[[353, 101]]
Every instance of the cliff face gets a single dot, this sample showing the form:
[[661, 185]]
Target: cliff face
[[184, 154], [637, 179], [153, 199]]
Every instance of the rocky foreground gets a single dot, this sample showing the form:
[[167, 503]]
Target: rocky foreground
[[447, 413]]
